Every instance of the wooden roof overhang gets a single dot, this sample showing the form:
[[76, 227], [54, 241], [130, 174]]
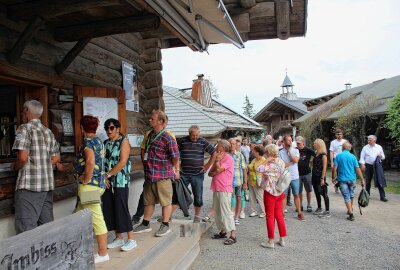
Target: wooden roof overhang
[[81, 20], [273, 108]]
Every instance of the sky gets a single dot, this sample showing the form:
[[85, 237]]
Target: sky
[[355, 42]]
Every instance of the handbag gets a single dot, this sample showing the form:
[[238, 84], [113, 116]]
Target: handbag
[[89, 197], [259, 179]]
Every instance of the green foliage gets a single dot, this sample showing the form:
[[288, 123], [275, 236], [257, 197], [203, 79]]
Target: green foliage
[[393, 120], [248, 107]]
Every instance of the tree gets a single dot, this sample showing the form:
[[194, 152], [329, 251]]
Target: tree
[[248, 107], [393, 119], [214, 90]]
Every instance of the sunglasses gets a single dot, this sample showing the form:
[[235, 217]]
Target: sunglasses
[[111, 128]]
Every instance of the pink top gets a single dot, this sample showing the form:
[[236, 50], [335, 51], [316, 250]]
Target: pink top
[[223, 181]]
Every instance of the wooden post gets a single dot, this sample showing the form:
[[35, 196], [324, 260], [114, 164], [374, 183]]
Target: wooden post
[[282, 11], [71, 55]]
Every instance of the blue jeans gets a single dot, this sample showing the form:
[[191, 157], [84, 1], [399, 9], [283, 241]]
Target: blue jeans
[[295, 185], [347, 188], [196, 183]]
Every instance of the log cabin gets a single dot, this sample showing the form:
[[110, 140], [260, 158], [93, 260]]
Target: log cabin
[[66, 53]]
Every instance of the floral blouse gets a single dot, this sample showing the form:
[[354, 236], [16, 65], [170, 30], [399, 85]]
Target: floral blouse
[[271, 172]]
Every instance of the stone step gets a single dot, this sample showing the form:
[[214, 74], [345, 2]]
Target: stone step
[[182, 253], [176, 250]]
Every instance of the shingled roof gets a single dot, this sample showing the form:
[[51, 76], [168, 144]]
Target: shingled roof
[[183, 112], [381, 90]]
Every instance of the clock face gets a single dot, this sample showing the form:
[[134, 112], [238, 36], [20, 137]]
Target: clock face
[[103, 108]]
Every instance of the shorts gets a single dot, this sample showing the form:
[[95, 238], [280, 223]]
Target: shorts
[[348, 189], [196, 184], [237, 191], [295, 185], [158, 192], [306, 181]]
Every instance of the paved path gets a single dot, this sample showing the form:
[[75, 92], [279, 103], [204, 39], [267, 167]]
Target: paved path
[[372, 241]]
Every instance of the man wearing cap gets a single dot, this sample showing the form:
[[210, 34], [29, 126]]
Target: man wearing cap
[[306, 157], [368, 159]]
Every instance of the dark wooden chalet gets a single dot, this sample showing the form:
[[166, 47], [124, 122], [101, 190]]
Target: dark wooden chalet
[[63, 51]]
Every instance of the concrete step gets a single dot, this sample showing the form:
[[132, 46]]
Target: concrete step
[[182, 253], [176, 250]]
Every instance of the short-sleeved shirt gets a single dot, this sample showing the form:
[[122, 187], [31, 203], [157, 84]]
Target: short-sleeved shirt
[[192, 154], [346, 164], [245, 150], [112, 157], [223, 182], [37, 174], [293, 169], [336, 147], [96, 145], [304, 161], [143, 144], [240, 165], [161, 151]]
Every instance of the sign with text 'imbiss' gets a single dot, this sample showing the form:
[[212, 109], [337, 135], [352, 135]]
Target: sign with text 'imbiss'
[[66, 243]]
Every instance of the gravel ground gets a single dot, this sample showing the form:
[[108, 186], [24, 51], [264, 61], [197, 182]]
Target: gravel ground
[[369, 242]]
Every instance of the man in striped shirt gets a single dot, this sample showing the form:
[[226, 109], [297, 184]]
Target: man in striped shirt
[[192, 149], [37, 151]]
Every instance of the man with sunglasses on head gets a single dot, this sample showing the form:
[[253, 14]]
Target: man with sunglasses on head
[[161, 167]]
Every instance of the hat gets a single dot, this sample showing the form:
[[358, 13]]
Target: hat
[[299, 139]]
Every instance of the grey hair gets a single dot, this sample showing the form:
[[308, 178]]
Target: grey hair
[[34, 107], [193, 127], [272, 150], [226, 145], [372, 137], [346, 146]]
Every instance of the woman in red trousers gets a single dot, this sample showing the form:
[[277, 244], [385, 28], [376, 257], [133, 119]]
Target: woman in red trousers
[[272, 170]]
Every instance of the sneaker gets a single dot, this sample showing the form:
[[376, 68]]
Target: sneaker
[[163, 230], [351, 217], [268, 244], [253, 214], [130, 244], [242, 215], [285, 211], [196, 219], [237, 222], [100, 259], [318, 211], [301, 217], [116, 243], [384, 199], [142, 228], [262, 215], [325, 214], [289, 204], [206, 219], [281, 243], [309, 209]]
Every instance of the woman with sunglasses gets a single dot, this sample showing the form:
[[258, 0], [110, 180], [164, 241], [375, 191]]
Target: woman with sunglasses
[[115, 198]]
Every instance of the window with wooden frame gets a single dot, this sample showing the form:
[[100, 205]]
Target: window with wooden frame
[[13, 95]]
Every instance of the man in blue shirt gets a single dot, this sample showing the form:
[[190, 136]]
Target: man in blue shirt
[[344, 172]]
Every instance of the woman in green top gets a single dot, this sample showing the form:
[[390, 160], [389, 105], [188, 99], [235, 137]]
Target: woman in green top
[[88, 168], [115, 198]]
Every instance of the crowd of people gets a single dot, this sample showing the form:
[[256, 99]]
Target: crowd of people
[[237, 167]]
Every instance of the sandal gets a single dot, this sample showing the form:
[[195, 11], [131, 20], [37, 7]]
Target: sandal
[[219, 235], [230, 241]]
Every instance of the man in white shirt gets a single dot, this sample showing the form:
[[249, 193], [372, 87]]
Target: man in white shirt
[[369, 153], [245, 149], [335, 149], [291, 156]]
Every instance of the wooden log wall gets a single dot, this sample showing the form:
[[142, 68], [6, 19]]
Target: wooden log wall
[[98, 64]]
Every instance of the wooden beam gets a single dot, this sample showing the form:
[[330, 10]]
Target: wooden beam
[[49, 9], [24, 39], [71, 55], [248, 3], [282, 11], [107, 28]]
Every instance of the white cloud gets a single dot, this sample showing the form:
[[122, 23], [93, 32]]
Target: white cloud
[[347, 41]]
